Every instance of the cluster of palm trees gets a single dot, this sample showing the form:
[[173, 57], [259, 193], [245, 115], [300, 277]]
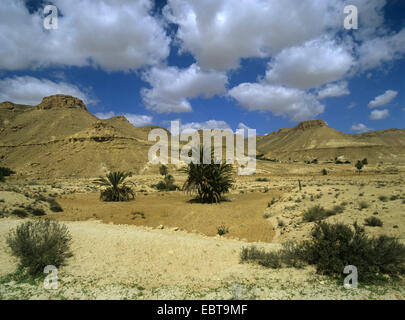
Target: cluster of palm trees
[[209, 181]]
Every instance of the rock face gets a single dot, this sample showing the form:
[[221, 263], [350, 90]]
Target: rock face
[[61, 101], [311, 124]]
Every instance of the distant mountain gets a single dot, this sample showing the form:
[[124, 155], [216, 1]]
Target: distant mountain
[[60, 138], [315, 139]]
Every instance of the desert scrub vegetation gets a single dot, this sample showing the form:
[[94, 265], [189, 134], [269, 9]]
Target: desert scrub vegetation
[[373, 222], [5, 172], [317, 213], [334, 246], [363, 205], [168, 181], [115, 187], [383, 198], [209, 180], [222, 229], [54, 205], [262, 180], [39, 243]]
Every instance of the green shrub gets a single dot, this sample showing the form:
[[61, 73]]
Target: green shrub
[[335, 210], [222, 229], [394, 197], [363, 205], [5, 172], [324, 172], [262, 180], [383, 198], [373, 222], [19, 213], [38, 212], [54, 205], [40, 243], [335, 246], [163, 170], [314, 213]]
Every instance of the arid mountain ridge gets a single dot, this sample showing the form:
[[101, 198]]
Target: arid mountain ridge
[[61, 138]]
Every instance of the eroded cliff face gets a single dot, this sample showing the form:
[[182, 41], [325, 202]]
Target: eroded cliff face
[[61, 101]]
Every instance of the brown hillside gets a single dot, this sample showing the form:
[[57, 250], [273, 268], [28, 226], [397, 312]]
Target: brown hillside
[[315, 139]]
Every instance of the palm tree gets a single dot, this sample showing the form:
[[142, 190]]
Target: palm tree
[[117, 188], [210, 181]]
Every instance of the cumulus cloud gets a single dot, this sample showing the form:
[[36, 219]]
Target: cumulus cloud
[[315, 63], [334, 90], [376, 51], [29, 90], [297, 104], [360, 127], [135, 119], [244, 129], [115, 35], [221, 32], [379, 114], [171, 87], [383, 99], [206, 125]]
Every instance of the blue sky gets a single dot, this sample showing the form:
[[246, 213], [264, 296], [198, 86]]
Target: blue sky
[[262, 64]]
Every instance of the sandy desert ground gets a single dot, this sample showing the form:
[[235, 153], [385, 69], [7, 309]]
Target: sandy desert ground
[[172, 250]]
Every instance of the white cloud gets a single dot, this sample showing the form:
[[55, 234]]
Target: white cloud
[[245, 130], [379, 114], [171, 87], [30, 90], [383, 99], [334, 90], [296, 104], [376, 51], [360, 127], [221, 32], [315, 63], [207, 125], [135, 119], [115, 35], [351, 106]]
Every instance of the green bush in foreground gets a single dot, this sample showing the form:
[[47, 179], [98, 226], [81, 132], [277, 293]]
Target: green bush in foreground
[[334, 246], [40, 243]]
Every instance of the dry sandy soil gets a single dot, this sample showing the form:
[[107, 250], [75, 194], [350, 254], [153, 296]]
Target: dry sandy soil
[[120, 255]]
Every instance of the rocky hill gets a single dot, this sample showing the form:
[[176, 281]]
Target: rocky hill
[[60, 138], [315, 139]]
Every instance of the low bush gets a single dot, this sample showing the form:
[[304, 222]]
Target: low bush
[[262, 180], [363, 205], [383, 198], [222, 229], [373, 222], [38, 212], [335, 246], [314, 213], [40, 243], [54, 205], [21, 213], [5, 172]]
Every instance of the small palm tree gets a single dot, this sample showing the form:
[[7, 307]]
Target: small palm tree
[[117, 188], [210, 181]]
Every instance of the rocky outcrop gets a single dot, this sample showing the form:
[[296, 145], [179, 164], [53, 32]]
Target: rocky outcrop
[[311, 124], [61, 101]]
